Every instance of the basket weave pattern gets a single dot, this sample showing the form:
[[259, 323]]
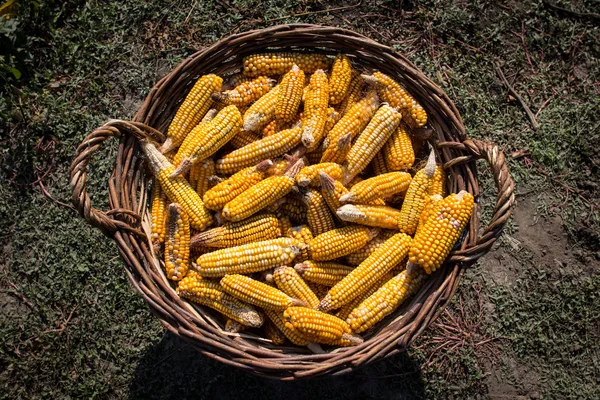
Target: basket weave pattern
[[128, 220]]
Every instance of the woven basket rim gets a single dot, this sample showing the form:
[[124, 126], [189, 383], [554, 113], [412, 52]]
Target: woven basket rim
[[128, 223]]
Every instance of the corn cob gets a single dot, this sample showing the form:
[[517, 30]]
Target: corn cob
[[301, 233], [262, 111], [280, 63], [273, 333], [277, 318], [159, 215], [371, 140], [385, 300], [441, 231], [191, 111], [353, 94], [290, 95], [318, 216], [319, 327], [261, 195], [177, 189], [314, 156], [438, 184], [282, 164], [341, 75], [414, 200], [322, 273], [378, 187], [398, 150], [294, 208], [415, 117], [245, 93], [338, 151], [378, 165], [284, 225], [315, 110], [332, 118], [199, 174], [257, 293], [332, 190], [340, 242], [357, 282], [375, 216], [248, 258], [346, 309], [361, 255], [207, 140], [244, 138], [271, 128], [177, 247], [430, 208], [230, 188], [353, 122], [232, 326], [210, 293], [253, 229], [309, 176], [319, 290], [263, 149], [287, 280]]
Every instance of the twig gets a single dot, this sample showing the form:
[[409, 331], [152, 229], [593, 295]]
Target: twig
[[48, 195], [15, 292], [544, 104], [576, 14], [512, 91], [525, 46], [314, 12]]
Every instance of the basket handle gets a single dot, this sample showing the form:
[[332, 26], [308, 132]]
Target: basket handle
[[105, 221], [505, 199]]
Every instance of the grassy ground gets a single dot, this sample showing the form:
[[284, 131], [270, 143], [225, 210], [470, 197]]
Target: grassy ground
[[525, 319]]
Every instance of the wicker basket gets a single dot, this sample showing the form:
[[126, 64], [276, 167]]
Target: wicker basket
[[128, 221]]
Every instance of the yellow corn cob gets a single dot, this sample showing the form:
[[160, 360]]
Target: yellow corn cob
[[319, 327], [294, 208], [340, 242], [273, 333], [438, 184], [244, 138], [284, 225], [287, 280], [332, 118], [318, 216], [371, 140], [227, 190], [193, 286], [200, 174], [353, 122], [377, 187], [191, 111], [290, 95], [310, 175], [254, 229], [232, 326], [315, 110], [341, 75], [441, 231], [379, 165], [337, 151], [257, 293], [398, 150], [177, 248], [277, 318], [357, 282], [159, 214], [248, 258], [263, 149], [314, 156], [261, 195], [375, 216], [301, 232], [346, 309], [210, 137], [353, 94], [177, 189], [245, 93], [431, 205], [385, 300], [332, 190], [322, 273], [414, 200], [319, 290], [415, 117], [262, 111], [361, 255], [280, 63], [272, 128]]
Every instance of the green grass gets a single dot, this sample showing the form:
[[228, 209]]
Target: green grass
[[71, 324]]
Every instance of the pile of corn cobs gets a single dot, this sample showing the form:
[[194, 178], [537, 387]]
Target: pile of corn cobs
[[290, 196]]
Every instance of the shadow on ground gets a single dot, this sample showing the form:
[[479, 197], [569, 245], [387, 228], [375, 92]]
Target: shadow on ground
[[173, 369]]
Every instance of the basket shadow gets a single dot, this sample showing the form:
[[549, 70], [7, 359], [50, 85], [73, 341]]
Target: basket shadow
[[173, 369]]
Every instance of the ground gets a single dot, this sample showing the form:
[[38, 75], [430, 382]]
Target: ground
[[524, 322]]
